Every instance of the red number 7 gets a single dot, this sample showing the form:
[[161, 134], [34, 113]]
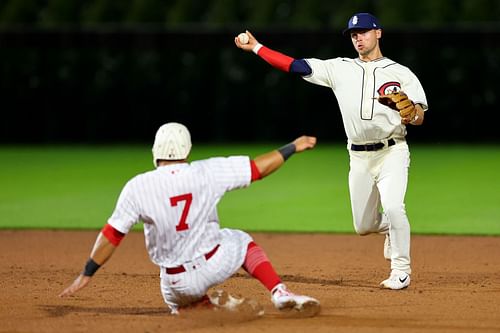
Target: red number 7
[[173, 202]]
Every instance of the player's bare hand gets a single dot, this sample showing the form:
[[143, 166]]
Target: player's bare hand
[[80, 282], [414, 118], [251, 42], [304, 142], [406, 120]]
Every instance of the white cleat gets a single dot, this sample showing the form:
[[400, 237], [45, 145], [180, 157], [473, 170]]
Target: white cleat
[[387, 247], [224, 300], [397, 280], [285, 300]]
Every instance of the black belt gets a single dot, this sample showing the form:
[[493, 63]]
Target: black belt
[[181, 269], [372, 146]]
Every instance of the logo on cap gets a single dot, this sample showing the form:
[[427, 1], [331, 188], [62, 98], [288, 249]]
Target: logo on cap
[[354, 20]]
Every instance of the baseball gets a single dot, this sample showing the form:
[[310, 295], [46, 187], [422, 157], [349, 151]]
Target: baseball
[[243, 38]]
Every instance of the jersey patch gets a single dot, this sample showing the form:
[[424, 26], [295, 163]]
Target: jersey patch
[[389, 87]]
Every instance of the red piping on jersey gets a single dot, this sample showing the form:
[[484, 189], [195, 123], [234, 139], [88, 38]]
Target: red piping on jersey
[[276, 59], [113, 235], [255, 171]]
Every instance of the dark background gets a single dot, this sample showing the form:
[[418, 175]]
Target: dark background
[[113, 72]]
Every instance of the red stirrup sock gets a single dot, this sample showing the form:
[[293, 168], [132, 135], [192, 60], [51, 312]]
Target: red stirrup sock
[[258, 265]]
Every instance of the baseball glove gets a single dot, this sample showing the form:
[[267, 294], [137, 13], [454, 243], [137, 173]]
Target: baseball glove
[[399, 101]]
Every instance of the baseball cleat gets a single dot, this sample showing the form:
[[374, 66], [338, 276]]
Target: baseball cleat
[[224, 300], [397, 280], [285, 300], [387, 247]]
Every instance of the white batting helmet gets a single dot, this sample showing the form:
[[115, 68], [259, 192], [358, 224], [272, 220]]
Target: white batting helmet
[[172, 142]]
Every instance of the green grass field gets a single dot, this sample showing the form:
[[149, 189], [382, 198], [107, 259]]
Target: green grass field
[[452, 189]]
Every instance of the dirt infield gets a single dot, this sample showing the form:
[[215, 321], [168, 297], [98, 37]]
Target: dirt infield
[[455, 286]]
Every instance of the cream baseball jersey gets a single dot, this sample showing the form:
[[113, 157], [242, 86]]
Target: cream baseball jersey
[[356, 85], [178, 205]]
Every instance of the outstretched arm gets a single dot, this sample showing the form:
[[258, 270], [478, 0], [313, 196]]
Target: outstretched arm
[[272, 161], [274, 58], [107, 241]]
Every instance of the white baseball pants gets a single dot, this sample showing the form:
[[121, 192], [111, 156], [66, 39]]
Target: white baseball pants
[[377, 185], [190, 286]]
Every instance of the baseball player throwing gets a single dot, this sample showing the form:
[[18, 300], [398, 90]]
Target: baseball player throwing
[[376, 130], [178, 204]]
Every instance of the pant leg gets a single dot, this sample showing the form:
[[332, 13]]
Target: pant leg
[[364, 195], [392, 184]]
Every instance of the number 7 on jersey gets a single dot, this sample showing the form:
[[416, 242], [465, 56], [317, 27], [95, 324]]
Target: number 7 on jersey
[[188, 198]]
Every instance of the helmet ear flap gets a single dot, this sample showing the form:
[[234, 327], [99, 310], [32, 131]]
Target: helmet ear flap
[[172, 142]]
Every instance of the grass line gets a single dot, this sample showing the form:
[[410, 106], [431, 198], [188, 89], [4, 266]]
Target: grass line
[[452, 189]]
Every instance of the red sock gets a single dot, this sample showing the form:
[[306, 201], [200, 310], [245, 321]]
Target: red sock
[[258, 265]]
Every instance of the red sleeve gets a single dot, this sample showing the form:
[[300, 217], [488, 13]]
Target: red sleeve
[[113, 235], [255, 171], [276, 59]]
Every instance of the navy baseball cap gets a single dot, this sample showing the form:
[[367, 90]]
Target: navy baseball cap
[[362, 21]]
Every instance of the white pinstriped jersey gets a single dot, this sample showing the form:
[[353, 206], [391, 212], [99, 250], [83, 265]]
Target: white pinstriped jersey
[[178, 205], [356, 83]]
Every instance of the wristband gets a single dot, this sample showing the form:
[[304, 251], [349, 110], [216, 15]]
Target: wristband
[[256, 48], [287, 150], [90, 267]]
